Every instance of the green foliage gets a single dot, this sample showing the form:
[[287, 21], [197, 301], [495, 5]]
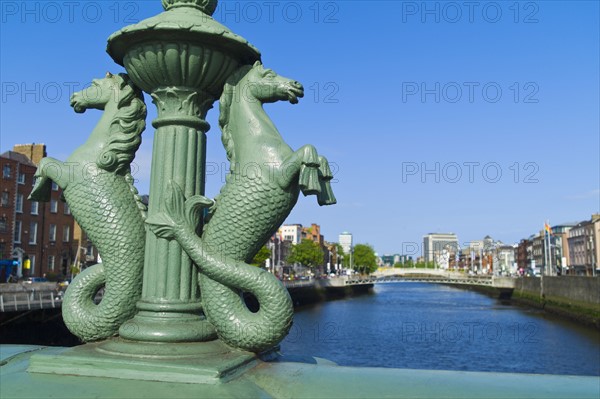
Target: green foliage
[[425, 265], [339, 250], [364, 258], [345, 258], [307, 253], [260, 258]]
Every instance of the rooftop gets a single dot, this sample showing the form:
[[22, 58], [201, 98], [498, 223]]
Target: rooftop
[[15, 156]]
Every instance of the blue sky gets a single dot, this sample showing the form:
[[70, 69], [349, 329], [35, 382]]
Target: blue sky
[[470, 117]]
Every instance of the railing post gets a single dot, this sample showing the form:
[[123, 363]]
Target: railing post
[[29, 301], [15, 302], [2, 302], [52, 299]]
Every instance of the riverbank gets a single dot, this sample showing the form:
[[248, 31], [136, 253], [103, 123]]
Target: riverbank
[[308, 295], [569, 297], [46, 326]]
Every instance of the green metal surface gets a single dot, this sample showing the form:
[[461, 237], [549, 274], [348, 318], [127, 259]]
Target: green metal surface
[[97, 184], [171, 291], [193, 363], [307, 378], [262, 188], [184, 280]]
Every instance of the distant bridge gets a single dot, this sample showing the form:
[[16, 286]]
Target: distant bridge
[[435, 276]]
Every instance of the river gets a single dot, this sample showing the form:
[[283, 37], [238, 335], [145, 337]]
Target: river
[[430, 326]]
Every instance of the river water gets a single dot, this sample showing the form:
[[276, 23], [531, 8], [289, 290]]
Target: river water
[[430, 326]]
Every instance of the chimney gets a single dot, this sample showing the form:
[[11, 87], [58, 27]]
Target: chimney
[[35, 152]]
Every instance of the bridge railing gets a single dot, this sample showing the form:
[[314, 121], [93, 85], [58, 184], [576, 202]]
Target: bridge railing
[[30, 300], [298, 283], [35, 299]]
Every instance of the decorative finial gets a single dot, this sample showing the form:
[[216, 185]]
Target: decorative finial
[[206, 6]]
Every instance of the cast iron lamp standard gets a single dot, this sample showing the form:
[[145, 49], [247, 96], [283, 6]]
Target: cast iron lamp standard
[[163, 268], [182, 58]]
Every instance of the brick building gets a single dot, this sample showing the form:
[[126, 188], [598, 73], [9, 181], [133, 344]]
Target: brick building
[[39, 234], [524, 254], [313, 233]]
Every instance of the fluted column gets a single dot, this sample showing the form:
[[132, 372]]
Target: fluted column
[[182, 57], [169, 310]]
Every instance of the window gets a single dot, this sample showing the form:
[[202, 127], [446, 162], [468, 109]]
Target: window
[[52, 232], [34, 207], [6, 171], [18, 232], [67, 209], [3, 224], [21, 178], [66, 233], [4, 199], [33, 233], [53, 206], [19, 204], [54, 186], [51, 263], [33, 180], [32, 264], [2, 249]]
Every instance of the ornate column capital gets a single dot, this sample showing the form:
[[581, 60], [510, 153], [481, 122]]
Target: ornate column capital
[[182, 106]]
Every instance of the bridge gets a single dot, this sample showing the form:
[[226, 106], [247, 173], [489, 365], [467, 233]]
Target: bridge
[[435, 276]]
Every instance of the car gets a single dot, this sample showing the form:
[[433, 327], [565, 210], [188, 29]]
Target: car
[[31, 280]]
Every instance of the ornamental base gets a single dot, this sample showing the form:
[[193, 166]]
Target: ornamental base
[[193, 363]]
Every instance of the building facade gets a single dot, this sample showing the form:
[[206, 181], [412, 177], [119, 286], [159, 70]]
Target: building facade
[[560, 247], [504, 262], [291, 233], [39, 235], [441, 248], [582, 248], [345, 240], [313, 233], [524, 254]]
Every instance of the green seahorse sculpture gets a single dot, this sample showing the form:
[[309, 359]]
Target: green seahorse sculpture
[[265, 179], [98, 187]]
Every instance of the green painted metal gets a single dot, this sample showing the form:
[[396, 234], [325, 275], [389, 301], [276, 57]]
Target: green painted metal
[[194, 267], [192, 363], [297, 378], [97, 184], [182, 58], [262, 188], [188, 265]]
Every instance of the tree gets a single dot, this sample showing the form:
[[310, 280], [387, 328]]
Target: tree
[[364, 258], [307, 253], [263, 254], [345, 258]]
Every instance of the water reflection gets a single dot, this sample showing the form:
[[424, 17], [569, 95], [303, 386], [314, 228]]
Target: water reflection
[[428, 326]]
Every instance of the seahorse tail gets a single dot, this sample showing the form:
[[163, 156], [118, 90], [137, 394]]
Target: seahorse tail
[[88, 320], [221, 282], [236, 325], [105, 209]]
